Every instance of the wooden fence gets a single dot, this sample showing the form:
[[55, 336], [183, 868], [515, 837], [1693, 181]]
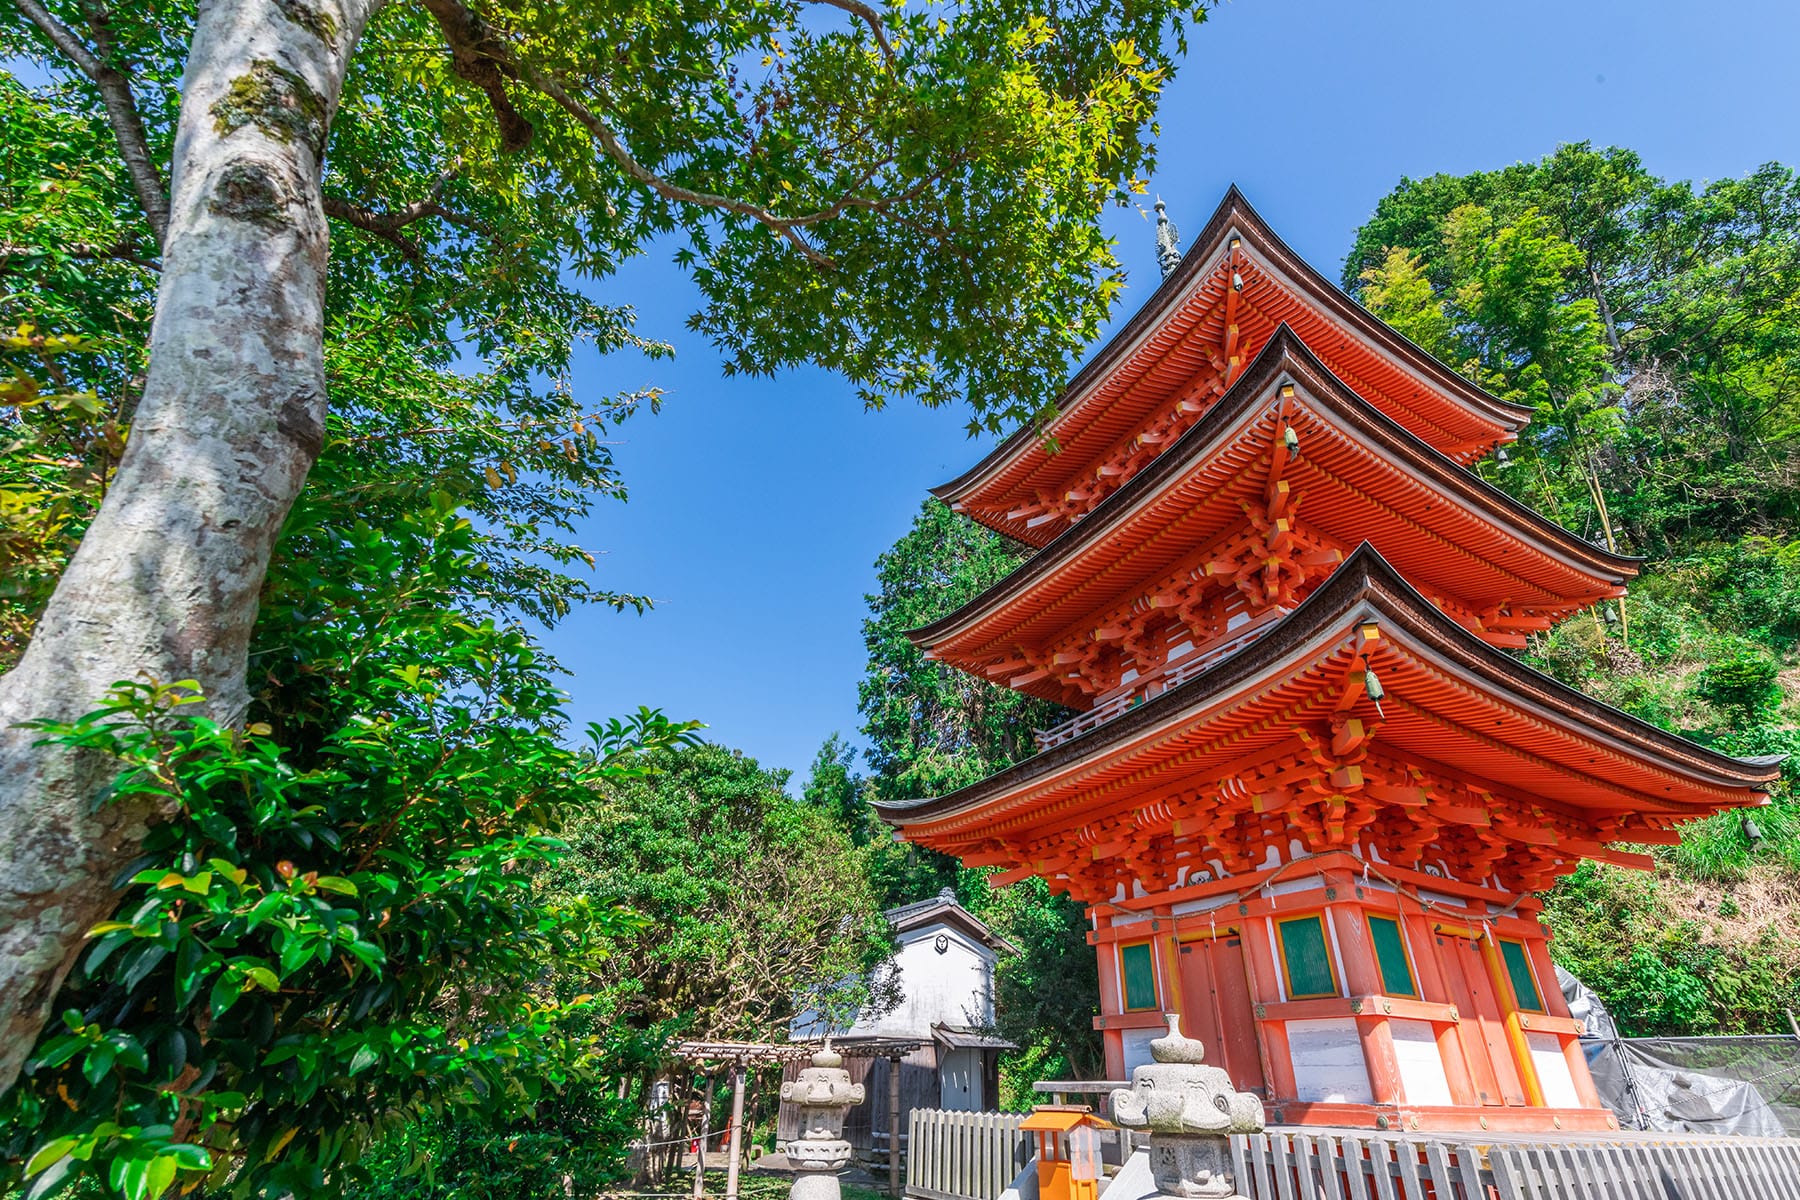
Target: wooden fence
[[974, 1156], [963, 1155], [1284, 1164]]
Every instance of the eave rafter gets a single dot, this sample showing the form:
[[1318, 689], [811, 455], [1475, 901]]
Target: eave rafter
[[1068, 497], [1267, 467], [1270, 559], [1184, 362], [1336, 792], [1272, 302], [1334, 781]]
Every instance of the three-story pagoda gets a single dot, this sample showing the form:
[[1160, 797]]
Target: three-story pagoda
[[1306, 795]]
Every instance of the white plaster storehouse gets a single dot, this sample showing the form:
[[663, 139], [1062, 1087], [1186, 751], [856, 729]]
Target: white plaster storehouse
[[942, 972]]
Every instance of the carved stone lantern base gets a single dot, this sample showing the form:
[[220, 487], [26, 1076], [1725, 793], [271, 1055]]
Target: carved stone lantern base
[[816, 1185], [1192, 1167], [1190, 1110], [825, 1096]]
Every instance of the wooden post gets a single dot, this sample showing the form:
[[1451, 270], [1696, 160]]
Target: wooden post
[[706, 1106], [894, 1125], [700, 1141], [1271, 1040], [1509, 1010], [735, 1154]]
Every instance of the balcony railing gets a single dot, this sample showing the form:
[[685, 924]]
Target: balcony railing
[[1173, 675]]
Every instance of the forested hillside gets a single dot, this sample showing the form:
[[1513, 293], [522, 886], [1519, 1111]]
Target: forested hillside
[[1654, 327]]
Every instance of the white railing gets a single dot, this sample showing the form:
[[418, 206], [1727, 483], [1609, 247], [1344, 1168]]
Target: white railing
[[1280, 1164], [963, 1155], [976, 1156], [1172, 676], [1081, 722]]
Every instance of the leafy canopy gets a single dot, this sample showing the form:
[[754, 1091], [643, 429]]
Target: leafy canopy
[[932, 729], [752, 906], [1653, 324]]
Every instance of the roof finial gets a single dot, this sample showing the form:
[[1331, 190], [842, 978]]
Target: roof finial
[[1168, 245]]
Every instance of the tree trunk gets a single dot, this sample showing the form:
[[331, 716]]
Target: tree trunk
[[165, 584]]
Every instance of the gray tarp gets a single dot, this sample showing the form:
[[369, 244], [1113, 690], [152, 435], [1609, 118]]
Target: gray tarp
[[1741, 1085]]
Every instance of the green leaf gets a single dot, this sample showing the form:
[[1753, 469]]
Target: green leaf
[[132, 1177], [98, 1063], [49, 1153], [52, 1181], [225, 992], [159, 1174]]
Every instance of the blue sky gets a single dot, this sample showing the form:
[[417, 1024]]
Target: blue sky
[[758, 506]]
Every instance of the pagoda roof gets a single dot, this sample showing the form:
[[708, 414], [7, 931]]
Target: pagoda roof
[[1360, 475], [1451, 701], [1174, 337]]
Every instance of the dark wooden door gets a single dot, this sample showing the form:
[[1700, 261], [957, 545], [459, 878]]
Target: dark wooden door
[[1216, 1008]]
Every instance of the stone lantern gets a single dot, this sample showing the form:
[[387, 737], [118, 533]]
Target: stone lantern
[[824, 1095], [1191, 1111]]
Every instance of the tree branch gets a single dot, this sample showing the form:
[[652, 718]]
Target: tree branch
[[858, 9], [386, 226], [389, 224], [121, 111], [121, 252], [477, 55], [609, 141]]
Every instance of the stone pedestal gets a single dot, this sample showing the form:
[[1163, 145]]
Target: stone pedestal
[[824, 1095], [1191, 1111]]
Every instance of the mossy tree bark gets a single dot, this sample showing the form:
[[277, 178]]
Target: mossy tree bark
[[166, 580]]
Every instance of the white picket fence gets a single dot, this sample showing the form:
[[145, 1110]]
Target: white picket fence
[[974, 1156], [963, 1155], [1286, 1164]]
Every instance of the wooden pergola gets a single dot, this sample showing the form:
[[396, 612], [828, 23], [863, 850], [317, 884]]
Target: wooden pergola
[[744, 1055]]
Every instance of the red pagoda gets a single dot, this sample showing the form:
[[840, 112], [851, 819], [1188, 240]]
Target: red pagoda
[[1306, 795]]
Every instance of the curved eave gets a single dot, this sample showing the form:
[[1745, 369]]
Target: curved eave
[[1284, 355], [1235, 214], [1367, 587]]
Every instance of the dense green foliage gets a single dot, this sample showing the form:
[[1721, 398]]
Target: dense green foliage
[[1654, 327], [932, 729], [576, 1139], [335, 939], [405, 742], [338, 931], [745, 907], [751, 906]]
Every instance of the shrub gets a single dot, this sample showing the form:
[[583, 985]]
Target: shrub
[[1740, 682]]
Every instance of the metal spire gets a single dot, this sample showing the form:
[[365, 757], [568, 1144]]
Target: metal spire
[[1168, 245]]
